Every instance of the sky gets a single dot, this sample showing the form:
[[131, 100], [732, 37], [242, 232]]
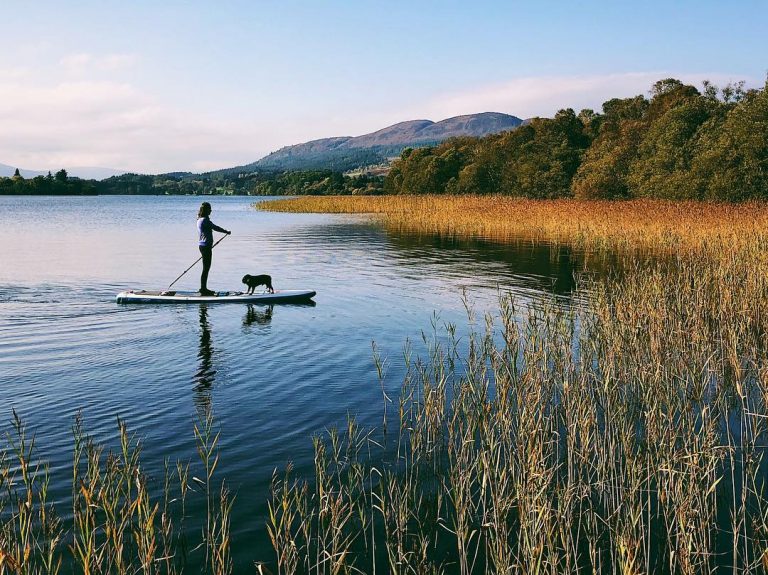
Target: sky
[[154, 86]]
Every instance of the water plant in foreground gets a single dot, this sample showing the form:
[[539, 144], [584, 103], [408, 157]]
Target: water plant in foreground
[[626, 435], [120, 521]]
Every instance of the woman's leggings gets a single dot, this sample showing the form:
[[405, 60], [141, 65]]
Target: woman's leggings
[[207, 253]]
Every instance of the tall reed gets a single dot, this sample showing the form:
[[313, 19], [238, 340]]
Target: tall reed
[[625, 434], [121, 520], [30, 532], [625, 226]]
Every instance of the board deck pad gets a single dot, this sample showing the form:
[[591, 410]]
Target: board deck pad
[[173, 296]]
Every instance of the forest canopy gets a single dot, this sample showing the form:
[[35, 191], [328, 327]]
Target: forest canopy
[[681, 143]]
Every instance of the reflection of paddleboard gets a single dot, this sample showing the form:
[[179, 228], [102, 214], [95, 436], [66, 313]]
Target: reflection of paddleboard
[[280, 296]]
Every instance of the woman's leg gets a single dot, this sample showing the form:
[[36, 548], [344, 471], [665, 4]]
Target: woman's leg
[[207, 253]]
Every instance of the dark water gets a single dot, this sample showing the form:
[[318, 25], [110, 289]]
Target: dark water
[[275, 376]]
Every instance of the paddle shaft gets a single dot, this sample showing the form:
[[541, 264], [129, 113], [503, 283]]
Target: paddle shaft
[[193, 265]]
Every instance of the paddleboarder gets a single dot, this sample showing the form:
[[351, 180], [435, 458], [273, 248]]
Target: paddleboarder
[[205, 228]]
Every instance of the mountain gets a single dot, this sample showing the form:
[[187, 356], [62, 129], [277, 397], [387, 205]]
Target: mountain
[[426, 132], [348, 153], [84, 172], [93, 172], [7, 171], [340, 154]]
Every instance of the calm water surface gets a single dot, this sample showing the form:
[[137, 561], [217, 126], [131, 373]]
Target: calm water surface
[[275, 376]]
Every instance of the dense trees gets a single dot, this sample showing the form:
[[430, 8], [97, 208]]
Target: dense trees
[[731, 160], [58, 185], [679, 144], [315, 182], [535, 160], [616, 134]]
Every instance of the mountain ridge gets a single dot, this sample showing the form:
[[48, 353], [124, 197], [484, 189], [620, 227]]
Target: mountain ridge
[[342, 153], [84, 172], [337, 153]]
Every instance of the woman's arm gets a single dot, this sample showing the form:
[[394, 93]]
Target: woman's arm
[[218, 229]]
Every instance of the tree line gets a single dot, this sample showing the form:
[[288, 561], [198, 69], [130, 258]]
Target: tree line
[[261, 183], [681, 143], [59, 184]]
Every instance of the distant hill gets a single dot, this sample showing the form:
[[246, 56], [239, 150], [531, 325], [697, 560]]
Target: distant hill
[[84, 172], [7, 171], [425, 131], [348, 153], [93, 172], [339, 154]]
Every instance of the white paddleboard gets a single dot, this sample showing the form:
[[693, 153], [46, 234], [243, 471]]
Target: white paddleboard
[[280, 296]]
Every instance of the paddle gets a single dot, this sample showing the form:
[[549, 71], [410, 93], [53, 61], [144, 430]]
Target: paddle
[[193, 265]]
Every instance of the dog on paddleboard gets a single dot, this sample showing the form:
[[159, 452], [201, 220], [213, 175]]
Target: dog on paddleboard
[[261, 280]]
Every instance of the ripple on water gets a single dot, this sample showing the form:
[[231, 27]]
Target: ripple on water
[[273, 376]]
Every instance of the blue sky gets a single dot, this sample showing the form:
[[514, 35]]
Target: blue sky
[[153, 86]]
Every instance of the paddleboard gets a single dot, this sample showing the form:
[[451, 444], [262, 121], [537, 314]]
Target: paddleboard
[[280, 296]]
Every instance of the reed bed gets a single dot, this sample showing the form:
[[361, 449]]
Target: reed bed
[[625, 436], [629, 226], [121, 521]]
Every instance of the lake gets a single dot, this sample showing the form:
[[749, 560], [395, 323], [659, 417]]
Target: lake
[[274, 376]]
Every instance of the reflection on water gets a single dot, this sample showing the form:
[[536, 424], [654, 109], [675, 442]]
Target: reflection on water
[[261, 316], [364, 252], [539, 266], [274, 376], [206, 374]]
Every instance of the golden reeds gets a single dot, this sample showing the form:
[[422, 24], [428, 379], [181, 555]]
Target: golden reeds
[[638, 450], [625, 226], [119, 522], [625, 434]]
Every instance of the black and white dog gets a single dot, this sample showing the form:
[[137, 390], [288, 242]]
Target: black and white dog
[[253, 281]]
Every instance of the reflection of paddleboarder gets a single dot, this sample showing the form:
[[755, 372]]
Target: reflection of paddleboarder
[[205, 228], [206, 373]]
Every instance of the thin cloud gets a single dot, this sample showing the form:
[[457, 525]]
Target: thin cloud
[[112, 62], [544, 95], [76, 61], [108, 124], [15, 73], [84, 63]]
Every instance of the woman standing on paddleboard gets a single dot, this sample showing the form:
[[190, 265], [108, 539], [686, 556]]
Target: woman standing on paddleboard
[[205, 228]]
